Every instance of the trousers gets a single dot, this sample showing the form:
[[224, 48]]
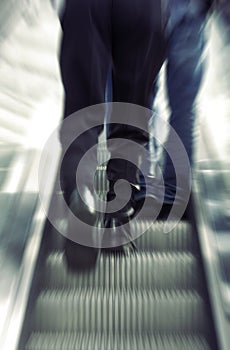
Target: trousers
[[185, 66], [97, 35]]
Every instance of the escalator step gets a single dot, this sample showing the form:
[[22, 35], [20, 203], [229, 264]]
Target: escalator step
[[143, 270], [181, 238], [97, 310], [153, 238], [83, 341]]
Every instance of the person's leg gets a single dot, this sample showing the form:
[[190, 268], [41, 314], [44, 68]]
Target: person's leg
[[149, 164], [138, 52], [84, 61], [184, 75]]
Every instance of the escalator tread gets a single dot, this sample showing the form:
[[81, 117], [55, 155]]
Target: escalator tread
[[83, 341], [153, 236], [91, 309], [149, 299], [142, 270]]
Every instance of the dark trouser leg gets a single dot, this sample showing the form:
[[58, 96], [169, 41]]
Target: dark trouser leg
[[138, 53], [84, 62]]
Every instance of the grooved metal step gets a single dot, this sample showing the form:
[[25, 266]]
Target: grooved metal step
[[96, 310], [83, 341], [181, 238], [153, 238], [152, 298], [143, 270]]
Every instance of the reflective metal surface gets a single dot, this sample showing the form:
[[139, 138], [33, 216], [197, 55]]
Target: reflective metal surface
[[212, 179], [211, 187], [21, 227], [17, 209], [214, 188]]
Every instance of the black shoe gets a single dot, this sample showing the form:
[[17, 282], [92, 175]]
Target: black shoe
[[80, 257], [86, 213], [118, 224], [164, 212], [148, 208], [152, 208], [166, 209], [117, 232]]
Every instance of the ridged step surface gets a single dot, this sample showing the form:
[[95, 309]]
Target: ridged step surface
[[154, 238], [152, 298], [143, 270], [83, 341], [90, 310]]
